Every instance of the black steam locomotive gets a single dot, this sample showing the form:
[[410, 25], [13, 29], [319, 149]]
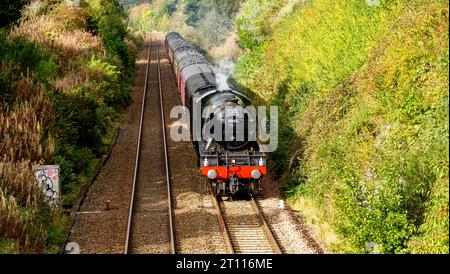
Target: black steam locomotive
[[232, 163]]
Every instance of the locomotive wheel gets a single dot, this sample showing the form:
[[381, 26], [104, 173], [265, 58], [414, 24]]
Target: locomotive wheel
[[251, 188], [218, 190]]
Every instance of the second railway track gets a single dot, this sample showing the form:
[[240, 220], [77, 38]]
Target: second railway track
[[245, 228], [150, 225]]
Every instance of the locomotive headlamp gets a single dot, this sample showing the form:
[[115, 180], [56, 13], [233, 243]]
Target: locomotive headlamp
[[212, 174], [256, 174]]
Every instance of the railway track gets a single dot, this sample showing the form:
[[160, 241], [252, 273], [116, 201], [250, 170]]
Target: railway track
[[245, 228], [129, 208], [150, 219]]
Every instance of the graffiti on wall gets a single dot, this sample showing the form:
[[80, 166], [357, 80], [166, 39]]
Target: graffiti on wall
[[47, 178], [73, 3]]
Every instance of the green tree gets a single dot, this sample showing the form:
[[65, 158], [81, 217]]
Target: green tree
[[10, 11]]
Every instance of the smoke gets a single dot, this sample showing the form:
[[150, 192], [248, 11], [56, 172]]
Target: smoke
[[223, 69]]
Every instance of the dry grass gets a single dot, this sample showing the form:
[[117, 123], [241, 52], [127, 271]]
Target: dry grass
[[17, 180], [21, 134], [78, 43], [19, 225], [21, 128], [67, 48], [55, 35], [20, 201], [40, 30], [71, 80], [70, 18]]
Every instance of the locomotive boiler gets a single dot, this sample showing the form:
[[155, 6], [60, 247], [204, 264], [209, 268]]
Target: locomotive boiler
[[232, 163]]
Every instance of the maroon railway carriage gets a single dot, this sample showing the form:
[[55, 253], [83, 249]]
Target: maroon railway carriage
[[189, 64]]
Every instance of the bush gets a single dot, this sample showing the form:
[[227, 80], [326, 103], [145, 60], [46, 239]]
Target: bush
[[191, 9], [48, 5], [253, 22], [367, 101], [77, 137], [108, 19], [47, 70], [10, 11], [27, 55], [61, 89], [169, 7], [106, 78], [6, 85], [76, 118], [19, 57], [69, 18]]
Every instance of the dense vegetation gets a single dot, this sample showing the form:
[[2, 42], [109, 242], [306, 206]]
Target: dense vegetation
[[363, 95], [10, 11], [206, 23], [66, 74], [196, 10], [362, 88]]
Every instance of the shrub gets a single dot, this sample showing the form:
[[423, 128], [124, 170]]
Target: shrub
[[108, 19], [7, 73], [10, 11], [169, 7], [252, 22], [191, 9], [27, 55], [364, 96], [50, 113], [76, 118], [70, 18], [47, 70], [48, 5], [106, 78]]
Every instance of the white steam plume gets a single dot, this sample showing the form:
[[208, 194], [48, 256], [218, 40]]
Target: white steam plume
[[223, 69]]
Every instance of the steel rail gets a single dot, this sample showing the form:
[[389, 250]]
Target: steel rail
[[267, 231], [266, 226], [222, 223], [138, 150], [166, 155]]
